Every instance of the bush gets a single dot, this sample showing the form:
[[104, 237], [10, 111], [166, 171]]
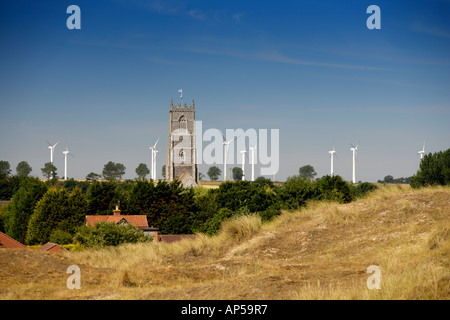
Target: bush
[[332, 189], [213, 224], [61, 237], [361, 189], [109, 234]]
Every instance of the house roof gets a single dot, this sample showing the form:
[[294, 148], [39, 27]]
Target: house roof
[[169, 238], [135, 220], [50, 246], [8, 242]]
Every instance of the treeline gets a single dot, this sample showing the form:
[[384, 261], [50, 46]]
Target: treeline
[[41, 211], [434, 170]]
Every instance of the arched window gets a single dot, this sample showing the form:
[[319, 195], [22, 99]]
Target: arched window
[[182, 123]]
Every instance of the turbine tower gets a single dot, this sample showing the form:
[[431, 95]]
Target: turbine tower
[[154, 152], [243, 164], [332, 155], [52, 150], [253, 149], [355, 150], [226, 144], [422, 152], [66, 152]]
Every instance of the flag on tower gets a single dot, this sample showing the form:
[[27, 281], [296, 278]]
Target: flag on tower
[[181, 93]]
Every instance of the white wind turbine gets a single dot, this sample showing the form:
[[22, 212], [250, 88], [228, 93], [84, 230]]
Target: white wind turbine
[[422, 152], [253, 149], [154, 152], [226, 144], [355, 150], [52, 150], [243, 164], [66, 152], [332, 155]]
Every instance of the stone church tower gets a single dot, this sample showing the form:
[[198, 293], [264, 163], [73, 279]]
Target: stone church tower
[[181, 160]]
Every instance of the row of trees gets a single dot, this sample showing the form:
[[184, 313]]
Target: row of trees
[[39, 212]]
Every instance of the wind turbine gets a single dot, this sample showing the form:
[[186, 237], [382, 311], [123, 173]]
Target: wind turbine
[[226, 144], [243, 164], [253, 149], [154, 152], [332, 155], [422, 152], [52, 150], [66, 152], [355, 150]]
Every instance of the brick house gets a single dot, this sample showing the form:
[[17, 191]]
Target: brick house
[[139, 221]]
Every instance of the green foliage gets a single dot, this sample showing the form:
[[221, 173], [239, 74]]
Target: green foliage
[[21, 207], [361, 189], [168, 206], [434, 170], [60, 237], [23, 169], [93, 176], [56, 210], [237, 173], [214, 173], [295, 192], [307, 172], [49, 171], [113, 171], [5, 168], [142, 171], [213, 224], [109, 234], [332, 189], [102, 197]]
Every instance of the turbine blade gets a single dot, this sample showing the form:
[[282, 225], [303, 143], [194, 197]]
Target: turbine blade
[[154, 146]]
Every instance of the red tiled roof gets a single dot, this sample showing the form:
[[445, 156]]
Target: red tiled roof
[[135, 220], [51, 247], [8, 242]]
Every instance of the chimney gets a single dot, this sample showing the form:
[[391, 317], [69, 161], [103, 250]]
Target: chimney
[[117, 211]]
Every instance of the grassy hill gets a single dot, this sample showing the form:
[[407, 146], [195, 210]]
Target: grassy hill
[[320, 252]]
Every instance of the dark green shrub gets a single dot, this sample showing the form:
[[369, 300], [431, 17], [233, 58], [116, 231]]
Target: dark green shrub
[[109, 234], [332, 189], [60, 237]]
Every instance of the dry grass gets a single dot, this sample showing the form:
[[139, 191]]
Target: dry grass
[[320, 252]]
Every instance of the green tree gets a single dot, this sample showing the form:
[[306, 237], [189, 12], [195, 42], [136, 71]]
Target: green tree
[[237, 173], [307, 172], [142, 171], [56, 210], [23, 169], [120, 168], [214, 173], [49, 171], [110, 171], [21, 207], [5, 168], [102, 196], [93, 176], [434, 170]]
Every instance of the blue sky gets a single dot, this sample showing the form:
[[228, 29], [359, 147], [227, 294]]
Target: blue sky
[[311, 69]]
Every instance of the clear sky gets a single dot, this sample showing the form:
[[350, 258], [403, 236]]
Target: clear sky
[[311, 69]]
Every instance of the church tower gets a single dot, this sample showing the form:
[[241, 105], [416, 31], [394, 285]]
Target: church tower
[[181, 152]]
